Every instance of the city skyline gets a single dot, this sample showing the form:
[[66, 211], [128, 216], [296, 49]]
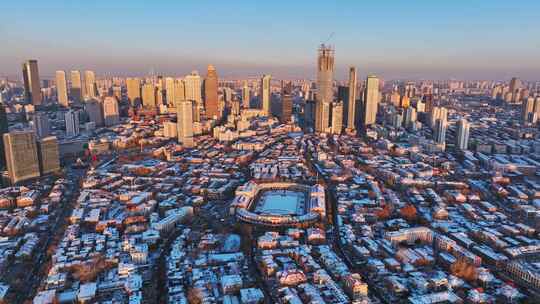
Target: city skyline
[[393, 40]]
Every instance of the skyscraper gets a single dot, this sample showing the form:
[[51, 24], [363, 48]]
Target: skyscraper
[[410, 117], [462, 134], [193, 85], [351, 103], [337, 117], [71, 119], [211, 93], [21, 155], [185, 122], [527, 110], [440, 130], [515, 87], [265, 94], [111, 112], [371, 101], [76, 86], [179, 91], [3, 130], [134, 91], [42, 126], [61, 88], [246, 95], [32, 85], [169, 91], [48, 155], [286, 103], [325, 94], [149, 96], [95, 112], [90, 89]]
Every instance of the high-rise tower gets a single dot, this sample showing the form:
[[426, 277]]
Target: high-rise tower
[[21, 155], [371, 101], [211, 93], [185, 122], [265, 94], [325, 94], [61, 88], [32, 85], [90, 89], [134, 91], [462, 136], [351, 103], [76, 86]]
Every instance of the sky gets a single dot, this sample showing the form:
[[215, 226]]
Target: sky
[[412, 39]]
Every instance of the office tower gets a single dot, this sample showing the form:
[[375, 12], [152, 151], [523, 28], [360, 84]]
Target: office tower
[[337, 117], [169, 91], [179, 91], [76, 86], [41, 125], [309, 114], [343, 95], [111, 111], [462, 134], [397, 120], [133, 86], [437, 113], [170, 129], [90, 89], [410, 116], [325, 94], [286, 103], [246, 95], [265, 94], [185, 122], [515, 87], [351, 103], [32, 85], [371, 101], [440, 130], [537, 106], [192, 87], [21, 155], [61, 88], [71, 119], [94, 110], [527, 110], [48, 155], [3, 130], [149, 96], [428, 104], [211, 93]]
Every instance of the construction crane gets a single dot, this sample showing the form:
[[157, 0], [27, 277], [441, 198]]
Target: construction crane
[[328, 39]]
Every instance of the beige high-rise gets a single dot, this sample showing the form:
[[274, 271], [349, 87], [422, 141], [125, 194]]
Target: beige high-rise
[[90, 89], [149, 94], [371, 100], [49, 157], [325, 93], [111, 111], [21, 155], [133, 86], [61, 88], [185, 122], [265, 93]]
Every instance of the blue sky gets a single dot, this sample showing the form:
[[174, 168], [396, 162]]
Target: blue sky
[[395, 39]]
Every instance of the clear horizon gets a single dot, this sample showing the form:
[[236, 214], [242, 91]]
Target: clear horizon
[[396, 40]]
